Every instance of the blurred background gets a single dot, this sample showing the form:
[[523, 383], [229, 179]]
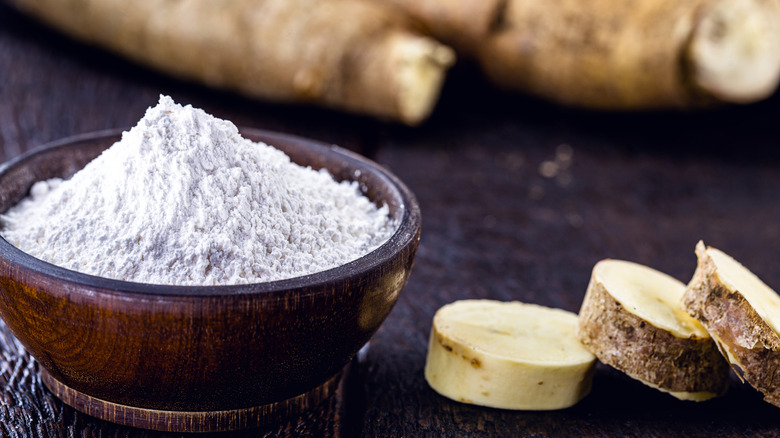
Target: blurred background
[[522, 192]]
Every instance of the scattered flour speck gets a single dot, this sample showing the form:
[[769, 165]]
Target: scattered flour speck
[[183, 199]]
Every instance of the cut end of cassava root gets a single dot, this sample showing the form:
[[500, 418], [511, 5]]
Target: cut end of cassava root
[[461, 24], [631, 319], [508, 355], [742, 314], [734, 50], [422, 64]]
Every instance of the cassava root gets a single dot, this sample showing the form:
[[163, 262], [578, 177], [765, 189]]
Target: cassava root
[[349, 54], [632, 320], [617, 55], [742, 314]]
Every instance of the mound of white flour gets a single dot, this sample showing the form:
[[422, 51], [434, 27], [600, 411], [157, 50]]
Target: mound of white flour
[[183, 199]]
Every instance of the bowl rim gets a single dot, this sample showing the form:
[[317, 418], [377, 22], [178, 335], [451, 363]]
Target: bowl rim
[[407, 231]]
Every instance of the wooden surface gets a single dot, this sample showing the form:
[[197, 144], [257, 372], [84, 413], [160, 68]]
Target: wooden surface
[[519, 200]]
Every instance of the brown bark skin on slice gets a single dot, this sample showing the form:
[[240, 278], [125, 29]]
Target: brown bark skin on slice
[[751, 345], [689, 368]]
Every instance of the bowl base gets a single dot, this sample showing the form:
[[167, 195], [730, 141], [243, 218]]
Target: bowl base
[[190, 421]]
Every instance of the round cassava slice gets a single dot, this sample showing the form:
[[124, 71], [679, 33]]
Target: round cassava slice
[[631, 319], [742, 314], [508, 355]]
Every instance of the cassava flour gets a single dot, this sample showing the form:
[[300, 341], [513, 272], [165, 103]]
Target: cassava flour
[[183, 199]]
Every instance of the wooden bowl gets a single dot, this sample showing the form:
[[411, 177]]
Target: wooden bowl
[[204, 358]]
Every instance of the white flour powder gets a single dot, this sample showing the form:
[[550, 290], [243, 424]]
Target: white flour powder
[[184, 199]]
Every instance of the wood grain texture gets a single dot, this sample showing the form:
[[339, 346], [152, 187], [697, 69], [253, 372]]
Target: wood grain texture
[[504, 217], [500, 225], [27, 409], [201, 359]]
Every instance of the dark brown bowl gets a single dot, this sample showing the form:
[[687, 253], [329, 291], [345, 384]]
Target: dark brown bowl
[[201, 358]]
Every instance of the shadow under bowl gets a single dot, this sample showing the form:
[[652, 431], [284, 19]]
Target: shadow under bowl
[[201, 358]]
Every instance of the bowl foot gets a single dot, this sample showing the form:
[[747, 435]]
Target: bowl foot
[[188, 421]]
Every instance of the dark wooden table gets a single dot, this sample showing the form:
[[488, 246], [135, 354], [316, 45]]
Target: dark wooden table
[[519, 199]]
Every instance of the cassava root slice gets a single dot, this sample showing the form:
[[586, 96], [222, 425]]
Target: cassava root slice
[[742, 314], [631, 319], [508, 355], [614, 54], [348, 54]]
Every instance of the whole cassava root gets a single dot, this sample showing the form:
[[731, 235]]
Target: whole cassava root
[[617, 55], [347, 54]]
